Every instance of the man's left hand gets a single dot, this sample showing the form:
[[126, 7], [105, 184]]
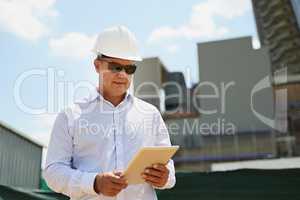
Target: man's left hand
[[157, 175]]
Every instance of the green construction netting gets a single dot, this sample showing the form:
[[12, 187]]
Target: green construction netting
[[13, 193], [234, 185]]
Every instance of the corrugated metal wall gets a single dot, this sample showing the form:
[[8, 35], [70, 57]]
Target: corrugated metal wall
[[20, 160]]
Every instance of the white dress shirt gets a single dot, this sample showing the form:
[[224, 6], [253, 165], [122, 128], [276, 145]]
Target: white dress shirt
[[94, 136]]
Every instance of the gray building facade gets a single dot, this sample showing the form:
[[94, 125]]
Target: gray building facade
[[231, 72], [278, 28], [20, 159], [148, 81]]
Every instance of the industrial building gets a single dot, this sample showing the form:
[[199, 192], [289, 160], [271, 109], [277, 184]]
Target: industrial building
[[235, 64], [232, 70], [290, 87], [164, 89], [238, 90], [229, 127], [278, 25], [148, 81], [20, 159]]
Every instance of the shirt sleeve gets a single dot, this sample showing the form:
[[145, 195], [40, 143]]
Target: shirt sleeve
[[162, 138], [58, 172]]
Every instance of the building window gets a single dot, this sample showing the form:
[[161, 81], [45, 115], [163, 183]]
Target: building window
[[296, 7]]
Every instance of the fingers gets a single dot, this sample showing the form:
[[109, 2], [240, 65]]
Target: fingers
[[157, 175], [160, 167], [153, 172], [157, 170], [150, 178], [109, 184], [153, 176], [118, 186], [118, 182], [119, 173], [112, 192], [113, 188]]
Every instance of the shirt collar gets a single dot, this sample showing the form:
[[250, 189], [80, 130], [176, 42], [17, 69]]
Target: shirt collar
[[96, 95]]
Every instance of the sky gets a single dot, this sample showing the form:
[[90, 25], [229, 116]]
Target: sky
[[47, 44]]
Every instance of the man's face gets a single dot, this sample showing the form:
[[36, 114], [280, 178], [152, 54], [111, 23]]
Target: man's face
[[113, 83]]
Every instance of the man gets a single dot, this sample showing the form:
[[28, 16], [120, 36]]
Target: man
[[93, 141]]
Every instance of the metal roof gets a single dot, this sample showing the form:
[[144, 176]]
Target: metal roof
[[21, 134]]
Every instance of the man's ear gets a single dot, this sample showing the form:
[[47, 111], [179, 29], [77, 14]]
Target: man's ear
[[97, 64]]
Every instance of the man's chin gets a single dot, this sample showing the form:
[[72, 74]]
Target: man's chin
[[119, 92]]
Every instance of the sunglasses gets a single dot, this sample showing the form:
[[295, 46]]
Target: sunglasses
[[115, 68]]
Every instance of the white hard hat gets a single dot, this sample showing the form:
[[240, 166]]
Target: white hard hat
[[117, 42]]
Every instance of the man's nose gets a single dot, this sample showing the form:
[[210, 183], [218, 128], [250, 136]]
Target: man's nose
[[122, 74]]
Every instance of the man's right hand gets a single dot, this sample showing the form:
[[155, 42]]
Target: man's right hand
[[110, 184]]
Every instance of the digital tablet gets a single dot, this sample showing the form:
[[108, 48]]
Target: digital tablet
[[146, 157]]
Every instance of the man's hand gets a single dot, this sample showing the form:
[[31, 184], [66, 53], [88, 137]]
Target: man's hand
[[157, 175], [110, 184]]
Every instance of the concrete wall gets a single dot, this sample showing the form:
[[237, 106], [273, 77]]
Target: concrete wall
[[185, 132], [236, 65], [20, 160], [199, 142], [148, 80], [149, 70]]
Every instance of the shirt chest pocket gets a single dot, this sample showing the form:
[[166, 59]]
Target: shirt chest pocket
[[92, 137], [138, 133]]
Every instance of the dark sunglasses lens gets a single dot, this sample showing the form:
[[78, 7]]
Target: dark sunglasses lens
[[130, 69], [115, 68]]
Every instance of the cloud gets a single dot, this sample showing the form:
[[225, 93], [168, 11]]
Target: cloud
[[72, 45], [25, 18], [173, 48], [202, 21]]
